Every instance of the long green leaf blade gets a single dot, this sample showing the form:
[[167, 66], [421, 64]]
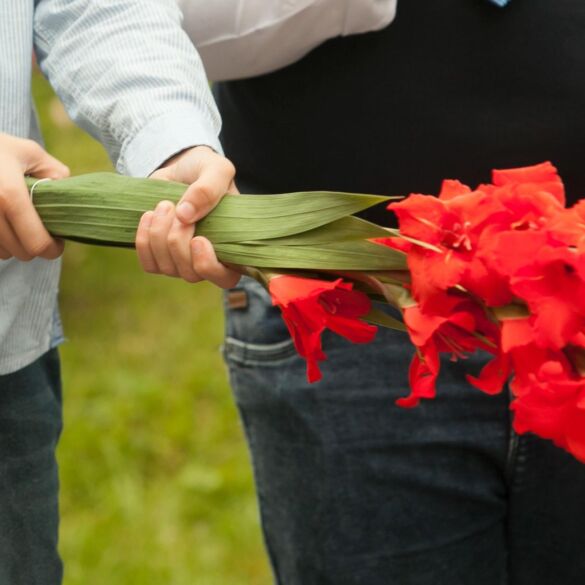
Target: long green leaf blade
[[292, 231], [344, 229], [235, 219], [355, 255]]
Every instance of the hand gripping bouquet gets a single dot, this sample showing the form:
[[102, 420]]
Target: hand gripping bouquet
[[499, 268]]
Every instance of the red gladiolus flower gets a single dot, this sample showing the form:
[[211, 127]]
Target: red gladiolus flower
[[549, 279], [550, 402], [310, 306], [469, 252], [449, 226], [459, 328], [549, 393], [457, 230]]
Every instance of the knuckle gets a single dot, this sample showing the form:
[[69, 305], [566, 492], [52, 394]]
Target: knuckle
[[204, 267], [206, 194], [174, 241], [9, 199], [33, 147], [168, 269], [157, 230], [142, 239], [141, 242], [229, 168], [190, 277], [29, 144]]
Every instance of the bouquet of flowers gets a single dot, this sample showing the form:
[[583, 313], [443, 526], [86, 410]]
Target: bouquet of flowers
[[499, 268]]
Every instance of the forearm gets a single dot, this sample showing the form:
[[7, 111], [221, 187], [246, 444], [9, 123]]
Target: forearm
[[127, 74]]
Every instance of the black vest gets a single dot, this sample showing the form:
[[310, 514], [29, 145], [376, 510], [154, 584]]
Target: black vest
[[453, 88]]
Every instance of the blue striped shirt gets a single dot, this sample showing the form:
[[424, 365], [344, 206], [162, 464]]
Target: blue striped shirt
[[127, 74]]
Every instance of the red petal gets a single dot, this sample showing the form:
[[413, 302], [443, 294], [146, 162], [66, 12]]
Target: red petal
[[395, 243], [420, 217], [352, 329], [544, 174], [509, 251], [453, 188], [349, 303], [286, 289], [422, 377], [493, 375], [313, 372], [516, 333]]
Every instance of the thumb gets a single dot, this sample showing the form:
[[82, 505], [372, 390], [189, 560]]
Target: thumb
[[202, 196], [39, 163]]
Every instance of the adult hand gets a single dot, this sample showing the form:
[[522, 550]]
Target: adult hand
[[164, 240], [22, 234]]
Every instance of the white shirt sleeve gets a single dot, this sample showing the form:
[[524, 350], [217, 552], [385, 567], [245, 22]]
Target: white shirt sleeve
[[245, 38]]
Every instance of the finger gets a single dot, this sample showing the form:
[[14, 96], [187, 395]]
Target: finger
[[17, 208], [179, 243], [207, 266], [39, 163], [145, 255], [162, 220], [10, 242], [205, 193], [9, 245]]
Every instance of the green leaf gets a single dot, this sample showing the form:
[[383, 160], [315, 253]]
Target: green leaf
[[379, 317], [353, 255], [267, 217], [344, 229], [397, 295], [292, 231], [100, 199]]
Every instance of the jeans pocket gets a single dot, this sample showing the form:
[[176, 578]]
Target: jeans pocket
[[256, 334], [253, 354]]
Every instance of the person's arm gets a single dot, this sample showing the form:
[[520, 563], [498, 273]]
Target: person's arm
[[22, 234], [245, 38], [127, 73]]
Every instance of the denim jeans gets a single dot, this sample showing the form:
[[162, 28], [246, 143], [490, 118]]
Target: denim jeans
[[356, 491], [30, 425]]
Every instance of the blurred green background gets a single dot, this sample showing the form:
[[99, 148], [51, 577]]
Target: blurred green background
[[156, 487]]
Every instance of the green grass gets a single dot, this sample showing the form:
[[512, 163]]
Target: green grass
[[155, 476]]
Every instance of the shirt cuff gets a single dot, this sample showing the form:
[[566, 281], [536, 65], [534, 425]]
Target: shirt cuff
[[162, 138]]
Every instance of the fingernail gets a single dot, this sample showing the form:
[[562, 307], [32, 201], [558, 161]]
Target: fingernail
[[186, 211], [163, 208], [197, 247]]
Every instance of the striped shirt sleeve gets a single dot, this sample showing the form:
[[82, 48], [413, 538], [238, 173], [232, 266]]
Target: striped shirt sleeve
[[129, 75]]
